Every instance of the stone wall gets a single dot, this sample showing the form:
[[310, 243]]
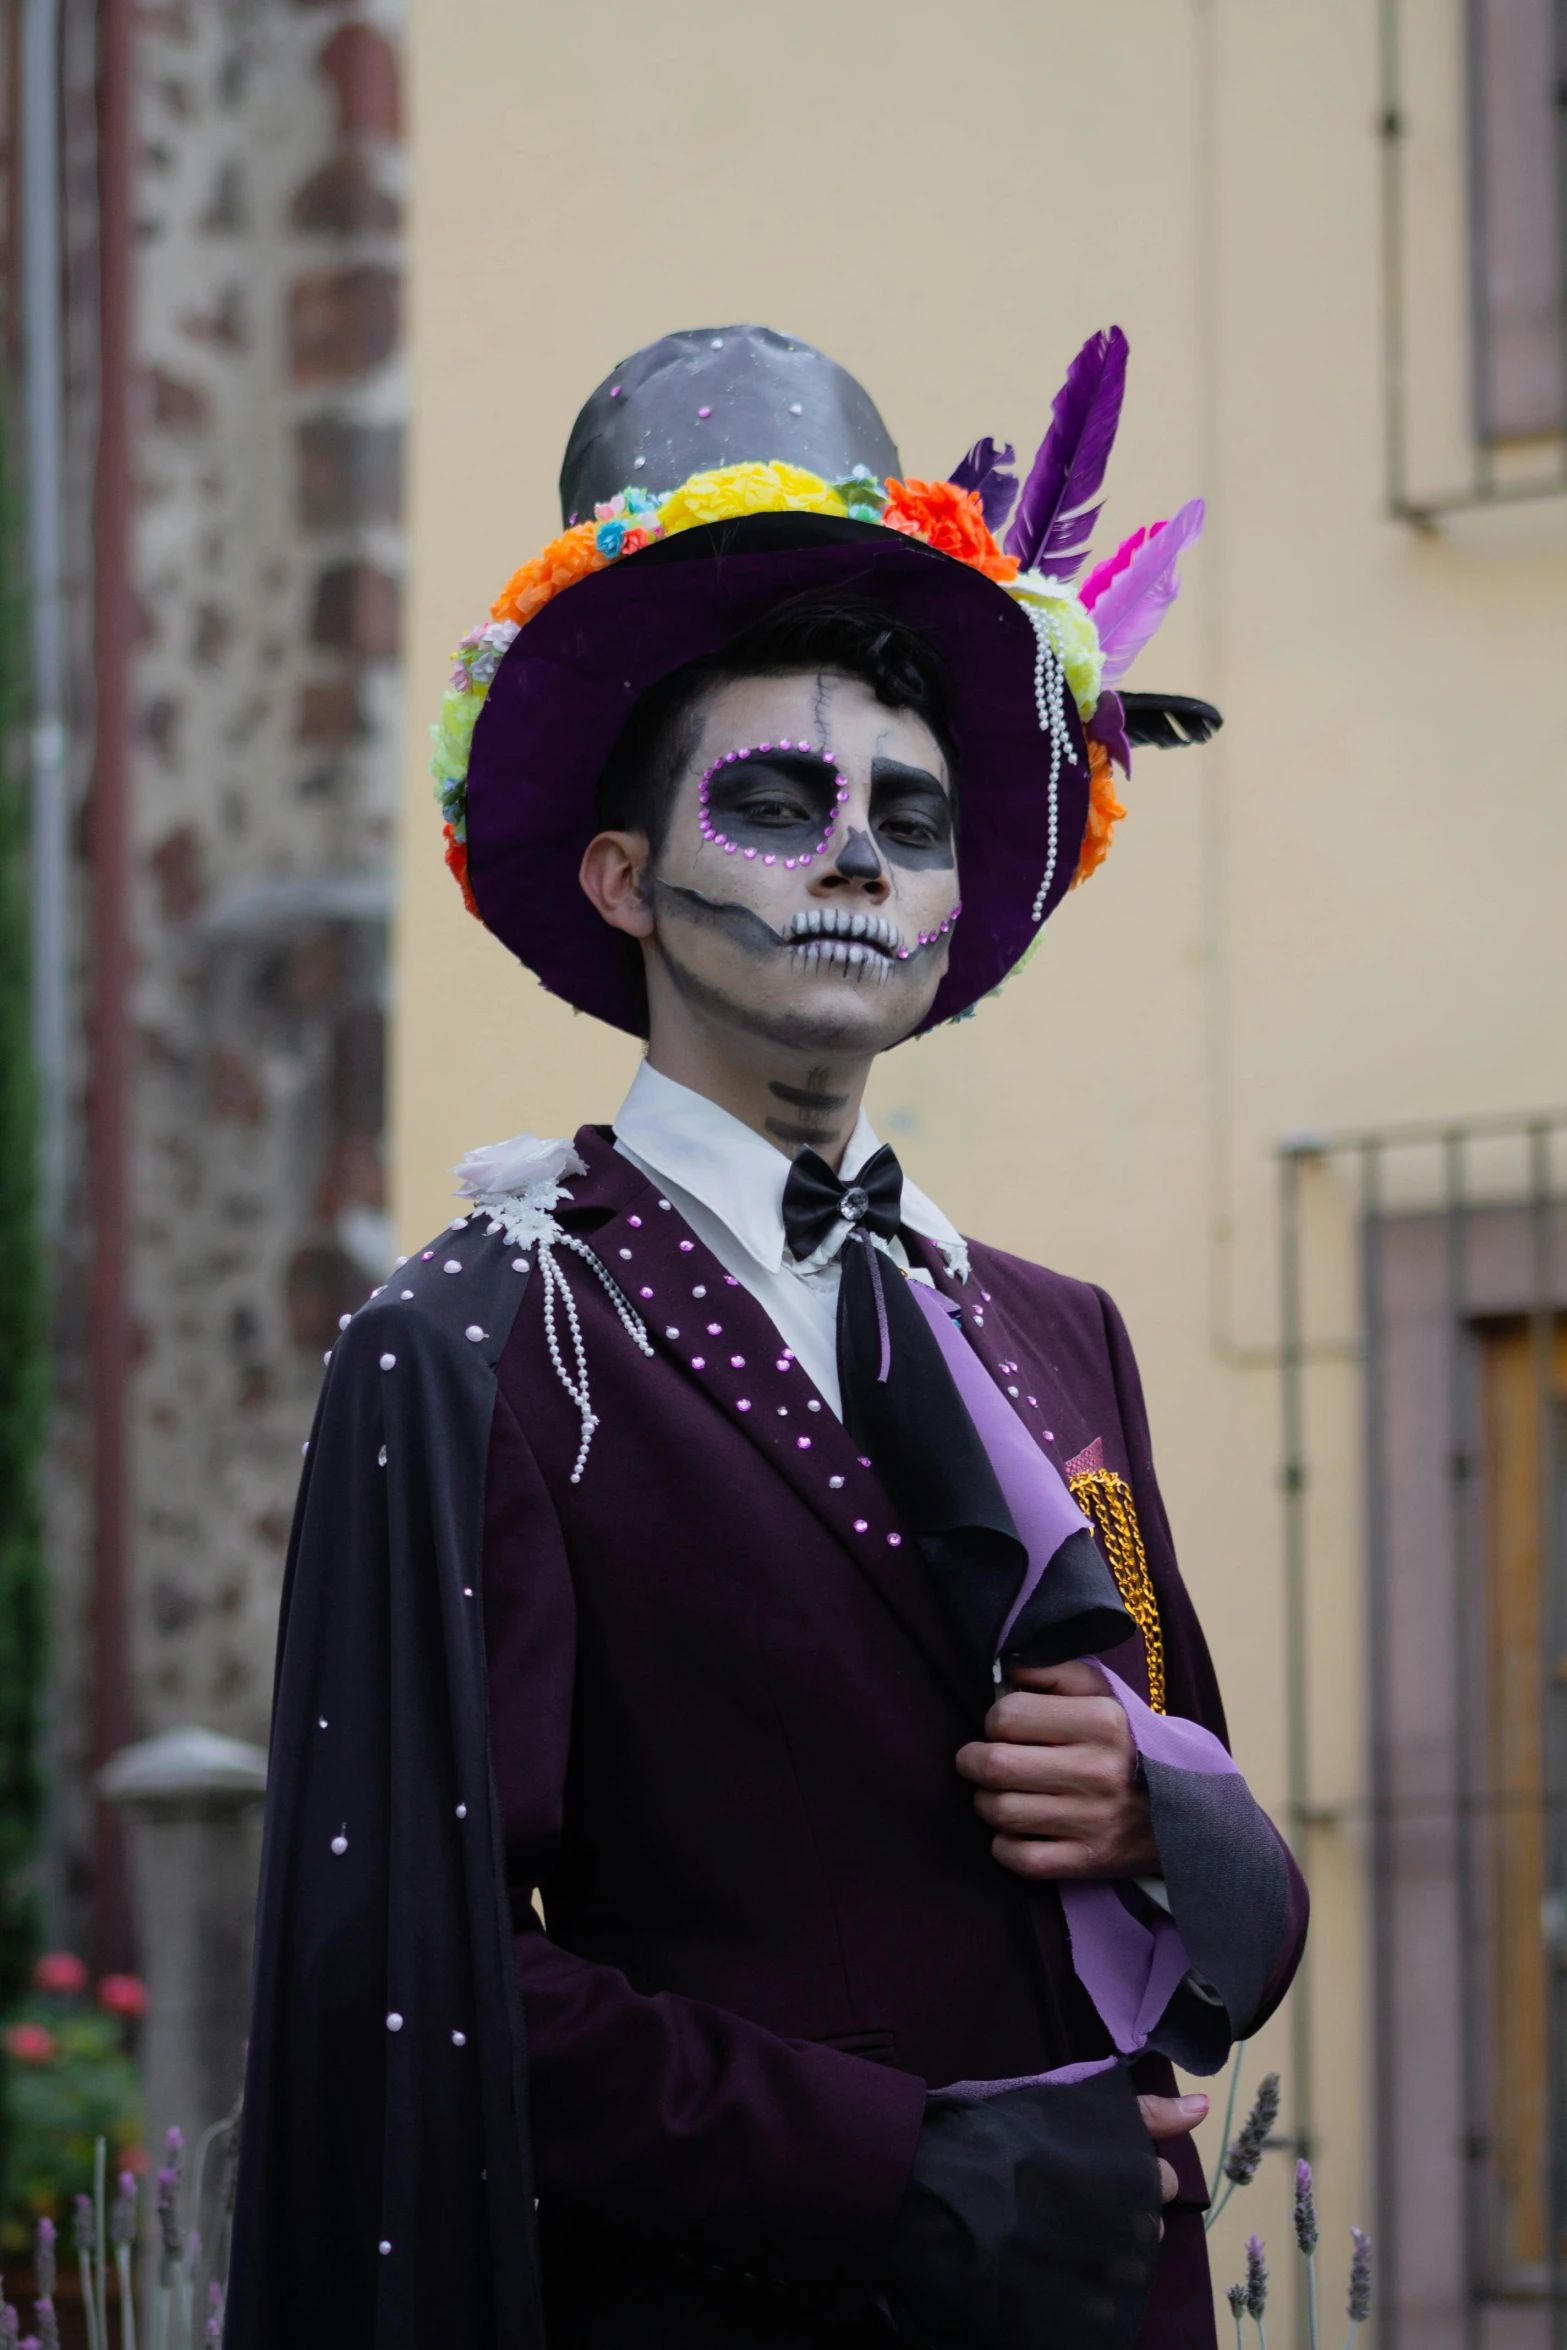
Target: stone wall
[[269, 401]]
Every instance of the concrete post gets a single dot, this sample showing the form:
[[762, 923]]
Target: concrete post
[[193, 1801]]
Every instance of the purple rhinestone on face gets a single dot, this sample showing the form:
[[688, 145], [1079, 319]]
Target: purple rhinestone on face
[[862, 1525], [894, 1540]]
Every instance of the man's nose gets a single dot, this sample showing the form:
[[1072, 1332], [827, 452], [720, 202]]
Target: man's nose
[[857, 862]]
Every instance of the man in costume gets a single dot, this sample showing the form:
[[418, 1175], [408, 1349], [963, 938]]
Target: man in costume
[[747, 1775]]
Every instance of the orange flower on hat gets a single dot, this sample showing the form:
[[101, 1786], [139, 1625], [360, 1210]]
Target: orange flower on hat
[[564, 561], [1104, 813], [457, 866], [948, 518]]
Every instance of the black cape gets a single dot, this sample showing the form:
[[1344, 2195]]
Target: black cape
[[385, 2193]]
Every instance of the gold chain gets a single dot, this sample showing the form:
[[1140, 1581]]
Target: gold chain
[[1107, 1499]]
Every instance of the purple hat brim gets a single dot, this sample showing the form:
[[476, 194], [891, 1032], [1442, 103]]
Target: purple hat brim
[[576, 670]]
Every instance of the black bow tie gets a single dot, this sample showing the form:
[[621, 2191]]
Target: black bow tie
[[815, 1200]]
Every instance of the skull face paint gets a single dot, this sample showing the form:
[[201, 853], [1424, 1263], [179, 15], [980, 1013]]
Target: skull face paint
[[807, 884]]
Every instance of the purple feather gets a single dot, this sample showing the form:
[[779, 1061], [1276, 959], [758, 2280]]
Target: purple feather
[[1108, 726], [1054, 517], [1137, 599], [981, 470]]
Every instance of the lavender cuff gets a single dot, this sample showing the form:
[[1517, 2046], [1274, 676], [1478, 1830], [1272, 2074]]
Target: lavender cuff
[[1229, 1884]]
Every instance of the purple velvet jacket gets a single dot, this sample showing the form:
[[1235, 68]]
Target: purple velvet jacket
[[724, 1711]]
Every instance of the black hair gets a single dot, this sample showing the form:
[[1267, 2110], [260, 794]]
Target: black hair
[[820, 630]]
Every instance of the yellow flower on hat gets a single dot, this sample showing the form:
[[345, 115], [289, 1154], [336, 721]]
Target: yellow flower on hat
[[1076, 634], [747, 489]]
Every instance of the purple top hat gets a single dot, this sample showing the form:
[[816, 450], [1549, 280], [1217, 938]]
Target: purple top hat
[[693, 404]]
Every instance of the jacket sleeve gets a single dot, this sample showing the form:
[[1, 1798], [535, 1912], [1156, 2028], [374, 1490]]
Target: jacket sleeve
[[656, 2116], [1232, 1885]]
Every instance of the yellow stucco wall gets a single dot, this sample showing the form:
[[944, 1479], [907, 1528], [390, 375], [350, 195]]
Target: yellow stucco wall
[[1347, 910]]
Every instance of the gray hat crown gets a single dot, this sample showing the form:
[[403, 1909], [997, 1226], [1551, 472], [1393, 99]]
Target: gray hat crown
[[719, 395]]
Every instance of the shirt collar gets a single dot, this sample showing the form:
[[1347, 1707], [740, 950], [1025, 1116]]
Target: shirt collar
[[689, 1141]]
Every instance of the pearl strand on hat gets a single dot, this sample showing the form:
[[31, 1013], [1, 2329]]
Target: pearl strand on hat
[[728, 759], [1050, 701]]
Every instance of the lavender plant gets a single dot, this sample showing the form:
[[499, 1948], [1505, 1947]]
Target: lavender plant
[[103, 2235], [1257, 2287], [1251, 2298], [1235, 2295], [1243, 2153], [173, 2296], [1306, 2237], [1359, 2283], [122, 2236], [83, 2236]]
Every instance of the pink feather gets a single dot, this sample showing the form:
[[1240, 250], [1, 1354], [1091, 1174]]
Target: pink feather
[[1128, 612], [1113, 565]]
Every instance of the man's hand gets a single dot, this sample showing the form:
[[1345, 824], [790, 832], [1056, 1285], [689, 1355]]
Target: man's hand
[[1056, 1773], [1171, 2117]]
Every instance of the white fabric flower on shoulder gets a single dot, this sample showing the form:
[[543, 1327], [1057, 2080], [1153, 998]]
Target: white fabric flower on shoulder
[[526, 1167]]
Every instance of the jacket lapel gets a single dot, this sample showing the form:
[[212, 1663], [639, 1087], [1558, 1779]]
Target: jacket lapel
[[709, 1326]]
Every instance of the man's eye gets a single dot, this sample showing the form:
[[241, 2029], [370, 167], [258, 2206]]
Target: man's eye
[[773, 810]]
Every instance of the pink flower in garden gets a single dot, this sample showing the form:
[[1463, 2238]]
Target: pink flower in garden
[[123, 1995], [30, 2043], [60, 1970]]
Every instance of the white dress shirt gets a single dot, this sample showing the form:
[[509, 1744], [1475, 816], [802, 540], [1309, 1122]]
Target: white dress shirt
[[728, 1183]]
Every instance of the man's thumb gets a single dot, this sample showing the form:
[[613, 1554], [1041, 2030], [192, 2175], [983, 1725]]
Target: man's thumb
[[1172, 2117]]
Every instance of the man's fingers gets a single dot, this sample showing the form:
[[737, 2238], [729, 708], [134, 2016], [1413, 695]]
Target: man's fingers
[[1045, 1720], [1168, 2181], [1046, 1815], [1172, 2117], [1093, 1769], [1077, 1679], [1043, 1857]]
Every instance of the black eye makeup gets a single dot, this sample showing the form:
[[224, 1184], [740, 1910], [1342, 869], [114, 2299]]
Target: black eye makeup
[[911, 816], [777, 801]]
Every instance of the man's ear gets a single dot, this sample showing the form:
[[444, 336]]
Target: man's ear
[[611, 871]]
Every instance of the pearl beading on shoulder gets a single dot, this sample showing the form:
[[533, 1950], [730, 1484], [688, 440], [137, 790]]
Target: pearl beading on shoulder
[[526, 1220]]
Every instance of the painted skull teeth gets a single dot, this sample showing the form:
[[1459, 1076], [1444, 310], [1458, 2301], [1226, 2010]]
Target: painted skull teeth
[[843, 954], [839, 922], [830, 937]]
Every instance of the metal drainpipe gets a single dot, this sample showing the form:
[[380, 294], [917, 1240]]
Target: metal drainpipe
[[111, 971], [47, 810]]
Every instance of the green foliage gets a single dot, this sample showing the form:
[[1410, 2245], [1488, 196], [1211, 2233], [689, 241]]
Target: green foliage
[[57, 2103]]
